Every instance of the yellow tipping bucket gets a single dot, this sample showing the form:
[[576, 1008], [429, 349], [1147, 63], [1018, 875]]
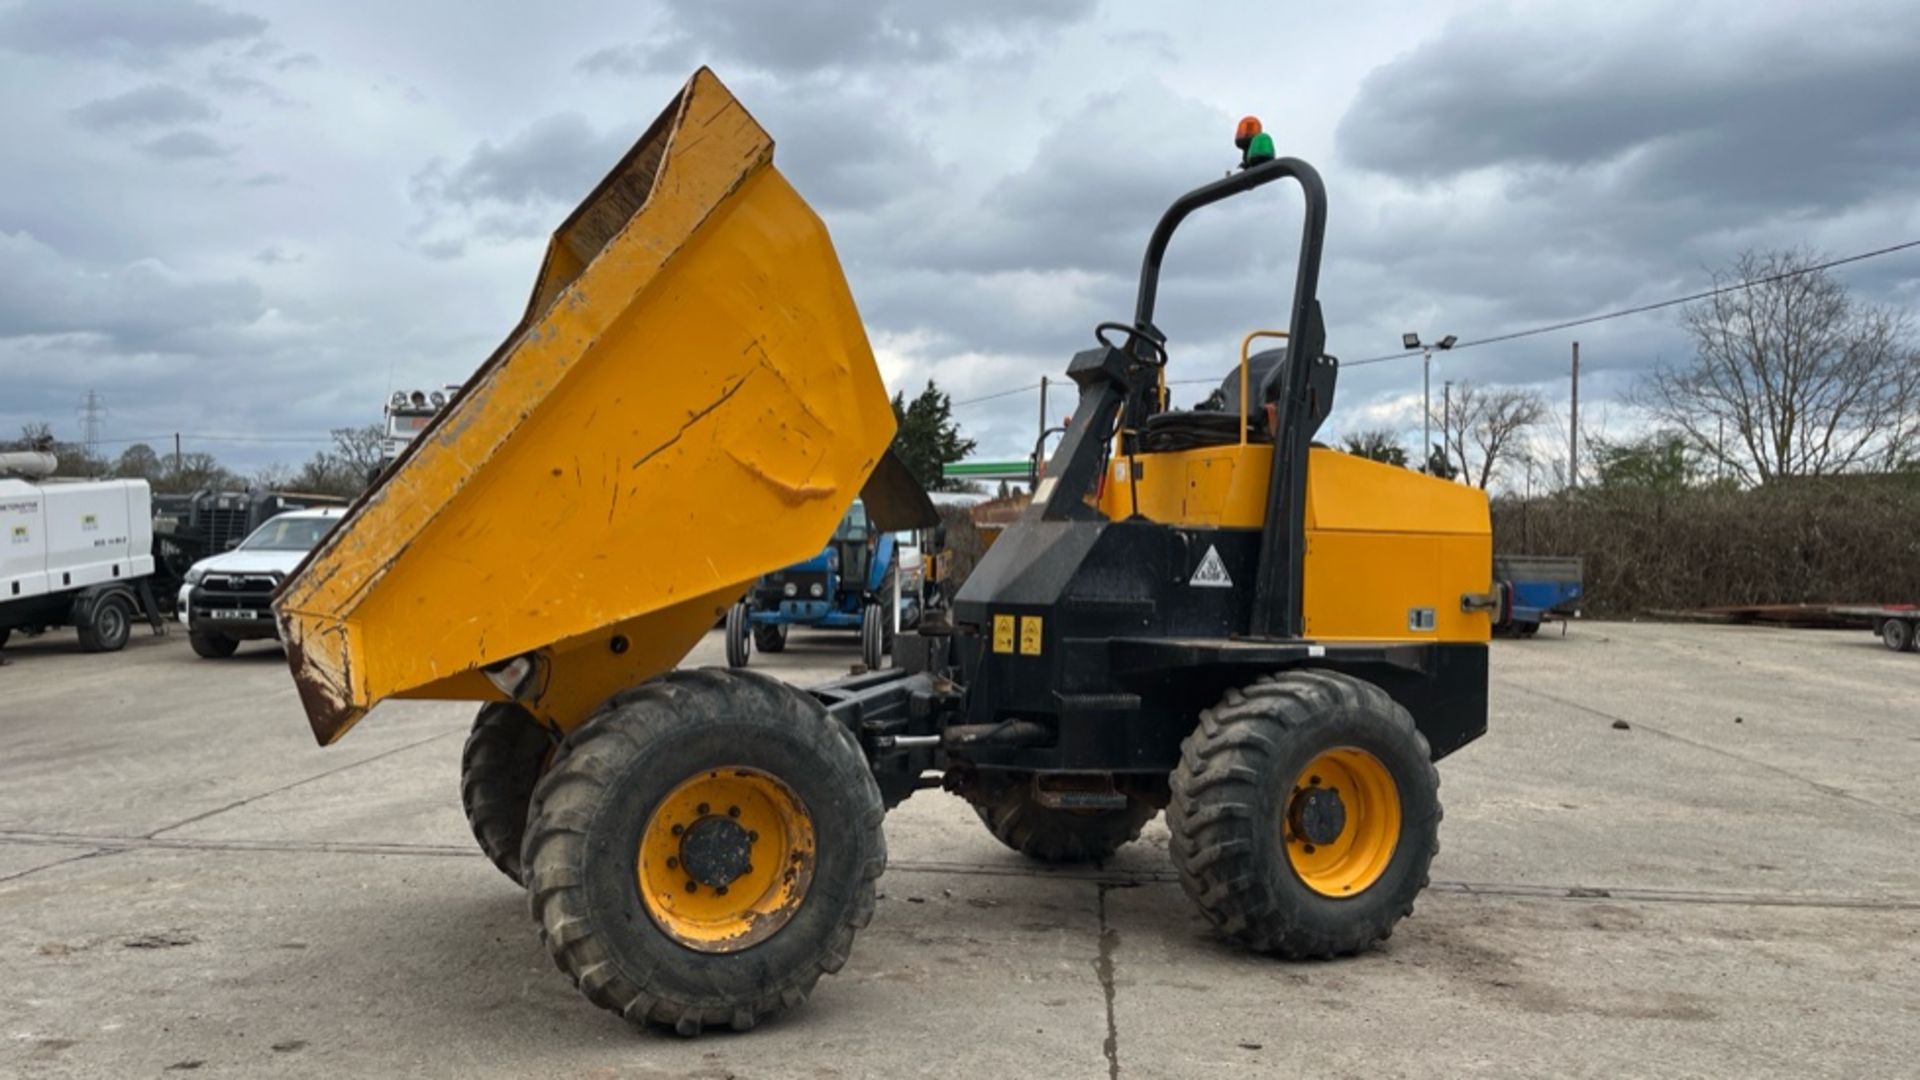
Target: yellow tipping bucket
[[689, 402]]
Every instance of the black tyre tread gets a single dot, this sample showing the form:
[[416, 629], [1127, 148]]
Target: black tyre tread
[[564, 801], [1017, 820], [499, 767], [769, 638], [89, 631], [1210, 815], [1898, 634], [212, 646], [739, 641]]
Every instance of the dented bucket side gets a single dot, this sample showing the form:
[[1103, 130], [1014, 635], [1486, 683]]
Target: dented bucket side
[[690, 402]]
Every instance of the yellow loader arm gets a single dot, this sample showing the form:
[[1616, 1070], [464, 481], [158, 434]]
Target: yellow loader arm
[[689, 402]]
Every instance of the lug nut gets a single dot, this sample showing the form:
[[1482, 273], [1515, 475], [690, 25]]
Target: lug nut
[[753, 837], [720, 890], [673, 863], [1309, 849], [693, 886], [702, 808], [678, 829], [733, 811], [747, 869], [1312, 781]]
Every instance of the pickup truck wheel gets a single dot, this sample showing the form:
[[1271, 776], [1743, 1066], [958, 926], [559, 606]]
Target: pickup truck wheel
[[212, 646], [703, 849], [1039, 832], [1305, 814], [5, 633], [739, 641], [770, 637], [108, 624], [504, 757]]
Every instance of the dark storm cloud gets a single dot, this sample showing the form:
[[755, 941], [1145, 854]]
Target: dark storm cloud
[[797, 36], [185, 146], [153, 105], [138, 32], [1750, 113]]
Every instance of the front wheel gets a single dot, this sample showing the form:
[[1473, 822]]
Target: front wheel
[[1305, 814], [876, 636], [703, 849], [770, 637], [505, 754], [739, 642], [212, 646]]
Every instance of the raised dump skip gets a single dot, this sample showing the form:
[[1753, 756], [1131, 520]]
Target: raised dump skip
[[690, 401]]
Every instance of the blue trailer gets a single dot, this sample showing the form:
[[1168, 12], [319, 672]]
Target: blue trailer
[[859, 581], [1535, 588]]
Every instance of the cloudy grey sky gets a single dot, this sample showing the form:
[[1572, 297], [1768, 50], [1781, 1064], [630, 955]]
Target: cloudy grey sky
[[251, 219]]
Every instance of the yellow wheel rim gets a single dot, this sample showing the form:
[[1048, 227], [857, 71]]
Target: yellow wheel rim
[[1342, 822], [725, 859]]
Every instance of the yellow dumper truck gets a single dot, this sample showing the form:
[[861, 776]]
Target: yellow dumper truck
[[1201, 611]]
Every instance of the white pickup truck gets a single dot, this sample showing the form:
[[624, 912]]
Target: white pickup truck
[[227, 598]]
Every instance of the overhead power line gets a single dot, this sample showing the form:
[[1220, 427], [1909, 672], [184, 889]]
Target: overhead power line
[[1535, 331], [1641, 309]]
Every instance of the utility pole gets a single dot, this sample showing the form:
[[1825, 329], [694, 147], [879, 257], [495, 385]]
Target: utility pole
[[1426, 402], [1573, 435], [92, 412], [176, 453], [1040, 440], [1446, 425]]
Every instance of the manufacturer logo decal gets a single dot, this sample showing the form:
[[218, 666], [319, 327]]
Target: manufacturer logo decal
[[1211, 573]]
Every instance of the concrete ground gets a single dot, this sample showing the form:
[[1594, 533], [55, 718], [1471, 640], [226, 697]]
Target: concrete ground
[[1728, 887]]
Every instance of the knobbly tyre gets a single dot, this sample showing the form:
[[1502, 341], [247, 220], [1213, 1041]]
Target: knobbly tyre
[[1200, 611]]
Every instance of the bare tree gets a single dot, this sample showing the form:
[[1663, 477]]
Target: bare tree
[[1791, 376], [1377, 444], [1484, 428]]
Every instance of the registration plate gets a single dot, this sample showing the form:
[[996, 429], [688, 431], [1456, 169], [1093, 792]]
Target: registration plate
[[237, 613]]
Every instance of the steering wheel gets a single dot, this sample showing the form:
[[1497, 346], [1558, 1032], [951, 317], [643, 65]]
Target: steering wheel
[[1154, 342]]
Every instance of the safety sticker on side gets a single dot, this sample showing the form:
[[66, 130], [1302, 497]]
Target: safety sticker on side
[[1211, 573]]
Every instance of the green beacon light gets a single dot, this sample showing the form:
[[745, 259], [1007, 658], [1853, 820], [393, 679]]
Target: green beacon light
[[1259, 149]]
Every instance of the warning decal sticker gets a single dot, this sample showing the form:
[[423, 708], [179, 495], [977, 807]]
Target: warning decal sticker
[[1211, 573]]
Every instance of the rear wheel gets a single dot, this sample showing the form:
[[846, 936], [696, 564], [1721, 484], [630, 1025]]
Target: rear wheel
[[1017, 819], [107, 625], [703, 849], [739, 619], [504, 757], [1305, 814], [5, 633], [1897, 634], [212, 646], [770, 637]]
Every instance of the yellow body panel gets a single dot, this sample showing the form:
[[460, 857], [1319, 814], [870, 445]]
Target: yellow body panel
[[690, 402], [1383, 542]]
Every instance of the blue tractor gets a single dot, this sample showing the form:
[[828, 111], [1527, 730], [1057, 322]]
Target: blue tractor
[[850, 585]]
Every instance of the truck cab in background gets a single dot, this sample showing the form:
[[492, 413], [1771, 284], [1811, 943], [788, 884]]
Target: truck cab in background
[[74, 553], [410, 412]]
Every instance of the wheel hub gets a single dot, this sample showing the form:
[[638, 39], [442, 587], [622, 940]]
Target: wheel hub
[[1318, 815], [716, 851]]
